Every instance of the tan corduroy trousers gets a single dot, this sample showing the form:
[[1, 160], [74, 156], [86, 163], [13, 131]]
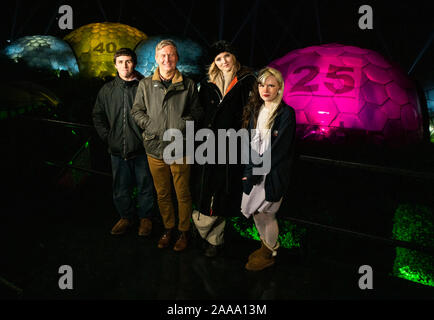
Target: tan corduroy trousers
[[162, 173]]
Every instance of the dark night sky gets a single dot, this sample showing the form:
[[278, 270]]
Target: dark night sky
[[262, 30]]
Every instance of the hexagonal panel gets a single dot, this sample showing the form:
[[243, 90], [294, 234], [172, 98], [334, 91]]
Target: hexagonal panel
[[374, 93], [299, 101], [330, 51], [392, 109], [377, 74], [350, 59], [396, 93], [348, 105], [372, 117], [321, 111], [409, 117], [378, 60], [400, 78]]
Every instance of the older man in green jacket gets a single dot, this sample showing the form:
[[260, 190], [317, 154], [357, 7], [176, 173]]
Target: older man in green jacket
[[166, 100]]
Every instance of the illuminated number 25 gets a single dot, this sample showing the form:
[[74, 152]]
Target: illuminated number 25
[[301, 84], [332, 74], [348, 80]]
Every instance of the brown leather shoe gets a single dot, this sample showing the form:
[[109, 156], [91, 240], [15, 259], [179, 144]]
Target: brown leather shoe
[[121, 226], [181, 244], [165, 239], [145, 227]]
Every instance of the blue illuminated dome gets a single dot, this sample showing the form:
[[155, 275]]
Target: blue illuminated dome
[[45, 53], [429, 94], [191, 56]]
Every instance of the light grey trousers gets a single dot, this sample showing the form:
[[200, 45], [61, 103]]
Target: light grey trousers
[[211, 228]]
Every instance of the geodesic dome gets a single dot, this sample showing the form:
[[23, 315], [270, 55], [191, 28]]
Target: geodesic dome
[[338, 91], [95, 44], [45, 53], [191, 56], [429, 94]]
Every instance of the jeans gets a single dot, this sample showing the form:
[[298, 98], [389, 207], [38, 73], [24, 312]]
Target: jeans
[[126, 175]]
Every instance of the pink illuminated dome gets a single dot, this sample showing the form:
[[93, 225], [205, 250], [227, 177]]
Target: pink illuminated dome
[[340, 92]]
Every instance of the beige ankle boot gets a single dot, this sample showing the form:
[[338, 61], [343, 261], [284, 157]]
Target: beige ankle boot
[[256, 252], [263, 259]]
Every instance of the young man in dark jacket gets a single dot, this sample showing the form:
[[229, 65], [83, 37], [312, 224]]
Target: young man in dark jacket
[[114, 124]]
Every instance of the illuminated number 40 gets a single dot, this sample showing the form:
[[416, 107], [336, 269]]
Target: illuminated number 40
[[109, 47]]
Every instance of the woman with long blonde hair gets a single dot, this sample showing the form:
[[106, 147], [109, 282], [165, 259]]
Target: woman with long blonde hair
[[218, 188], [272, 124]]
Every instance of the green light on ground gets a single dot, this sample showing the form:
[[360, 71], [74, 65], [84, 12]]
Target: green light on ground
[[289, 234], [73, 132], [75, 177], [408, 273], [414, 224]]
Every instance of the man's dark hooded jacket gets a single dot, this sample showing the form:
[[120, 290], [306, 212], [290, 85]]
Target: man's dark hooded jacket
[[112, 118]]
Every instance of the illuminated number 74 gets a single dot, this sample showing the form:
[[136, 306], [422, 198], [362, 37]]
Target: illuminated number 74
[[347, 79]]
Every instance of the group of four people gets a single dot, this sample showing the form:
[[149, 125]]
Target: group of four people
[[131, 115]]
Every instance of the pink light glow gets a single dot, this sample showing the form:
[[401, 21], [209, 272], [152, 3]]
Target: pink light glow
[[348, 88]]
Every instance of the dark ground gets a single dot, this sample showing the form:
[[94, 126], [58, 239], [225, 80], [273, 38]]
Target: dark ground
[[46, 225], [61, 229]]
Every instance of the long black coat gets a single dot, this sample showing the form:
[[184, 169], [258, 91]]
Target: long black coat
[[282, 155], [217, 188]]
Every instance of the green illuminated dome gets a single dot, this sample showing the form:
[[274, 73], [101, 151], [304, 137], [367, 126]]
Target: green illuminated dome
[[95, 44]]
